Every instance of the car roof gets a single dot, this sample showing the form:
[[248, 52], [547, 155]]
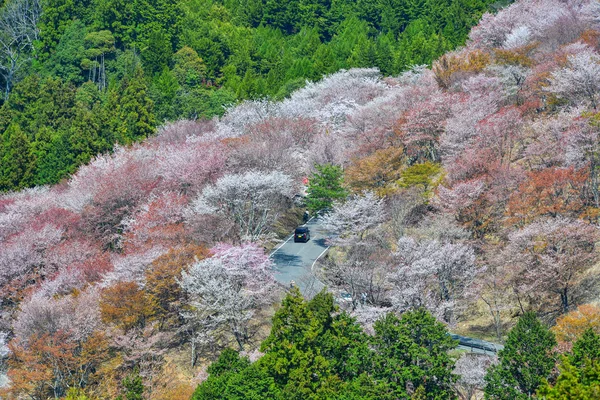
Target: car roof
[[302, 229]]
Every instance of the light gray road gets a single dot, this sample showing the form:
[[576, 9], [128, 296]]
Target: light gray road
[[294, 261]]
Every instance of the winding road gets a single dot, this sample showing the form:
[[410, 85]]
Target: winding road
[[294, 263]]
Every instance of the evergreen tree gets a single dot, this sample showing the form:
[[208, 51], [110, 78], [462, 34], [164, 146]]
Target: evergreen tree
[[413, 351], [53, 155], [324, 187], [577, 383], [314, 353], [586, 349], [158, 53], [66, 61], [164, 92], [135, 118], [526, 360], [133, 387], [579, 376], [189, 69], [17, 162]]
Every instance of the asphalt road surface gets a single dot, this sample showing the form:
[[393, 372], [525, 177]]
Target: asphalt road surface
[[294, 263]]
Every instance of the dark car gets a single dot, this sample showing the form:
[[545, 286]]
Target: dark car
[[302, 234]]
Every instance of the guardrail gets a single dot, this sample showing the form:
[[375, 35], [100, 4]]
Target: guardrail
[[477, 344]]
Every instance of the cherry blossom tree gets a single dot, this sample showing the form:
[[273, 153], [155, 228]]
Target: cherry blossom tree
[[182, 130], [549, 263], [549, 192], [252, 200], [23, 253], [481, 98], [267, 148], [159, 222], [187, 166], [432, 274], [77, 316], [579, 81], [363, 272], [355, 217], [225, 291], [421, 127], [471, 369]]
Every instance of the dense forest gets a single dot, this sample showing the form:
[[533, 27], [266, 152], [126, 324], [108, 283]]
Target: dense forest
[[458, 197], [80, 76]]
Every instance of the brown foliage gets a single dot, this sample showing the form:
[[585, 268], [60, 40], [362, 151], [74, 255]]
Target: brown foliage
[[591, 37], [478, 217], [519, 56], [126, 306], [571, 326], [449, 67], [161, 280], [377, 172], [172, 385], [48, 365]]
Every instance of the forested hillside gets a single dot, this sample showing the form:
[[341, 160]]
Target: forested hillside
[[463, 197], [80, 76]]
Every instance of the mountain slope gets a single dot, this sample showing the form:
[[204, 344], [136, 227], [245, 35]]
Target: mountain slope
[[484, 174]]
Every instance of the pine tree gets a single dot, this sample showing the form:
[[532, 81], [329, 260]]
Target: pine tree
[[573, 383], [579, 372], [324, 187], [133, 387], [586, 349], [16, 160], [526, 360], [413, 351]]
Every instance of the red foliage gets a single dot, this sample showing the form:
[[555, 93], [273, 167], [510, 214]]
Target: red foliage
[[550, 192], [159, 222]]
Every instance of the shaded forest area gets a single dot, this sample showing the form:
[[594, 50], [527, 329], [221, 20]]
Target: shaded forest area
[[79, 76]]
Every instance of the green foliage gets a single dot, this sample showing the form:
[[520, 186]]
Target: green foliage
[[313, 352], [135, 113], [421, 175], [157, 53], [324, 187], [16, 161], [526, 360], [414, 348], [189, 69], [133, 387], [67, 59], [586, 348], [201, 55], [573, 382], [76, 394], [579, 372]]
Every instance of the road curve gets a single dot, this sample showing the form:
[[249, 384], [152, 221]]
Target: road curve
[[294, 262]]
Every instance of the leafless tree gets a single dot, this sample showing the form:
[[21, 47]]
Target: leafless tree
[[365, 267], [18, 32]]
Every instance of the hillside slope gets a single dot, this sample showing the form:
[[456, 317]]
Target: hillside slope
[[474, 193], [80, 76]]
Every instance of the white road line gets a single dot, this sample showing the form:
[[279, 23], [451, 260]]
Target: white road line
[[317, 259], [280, 246], [288, 239]]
